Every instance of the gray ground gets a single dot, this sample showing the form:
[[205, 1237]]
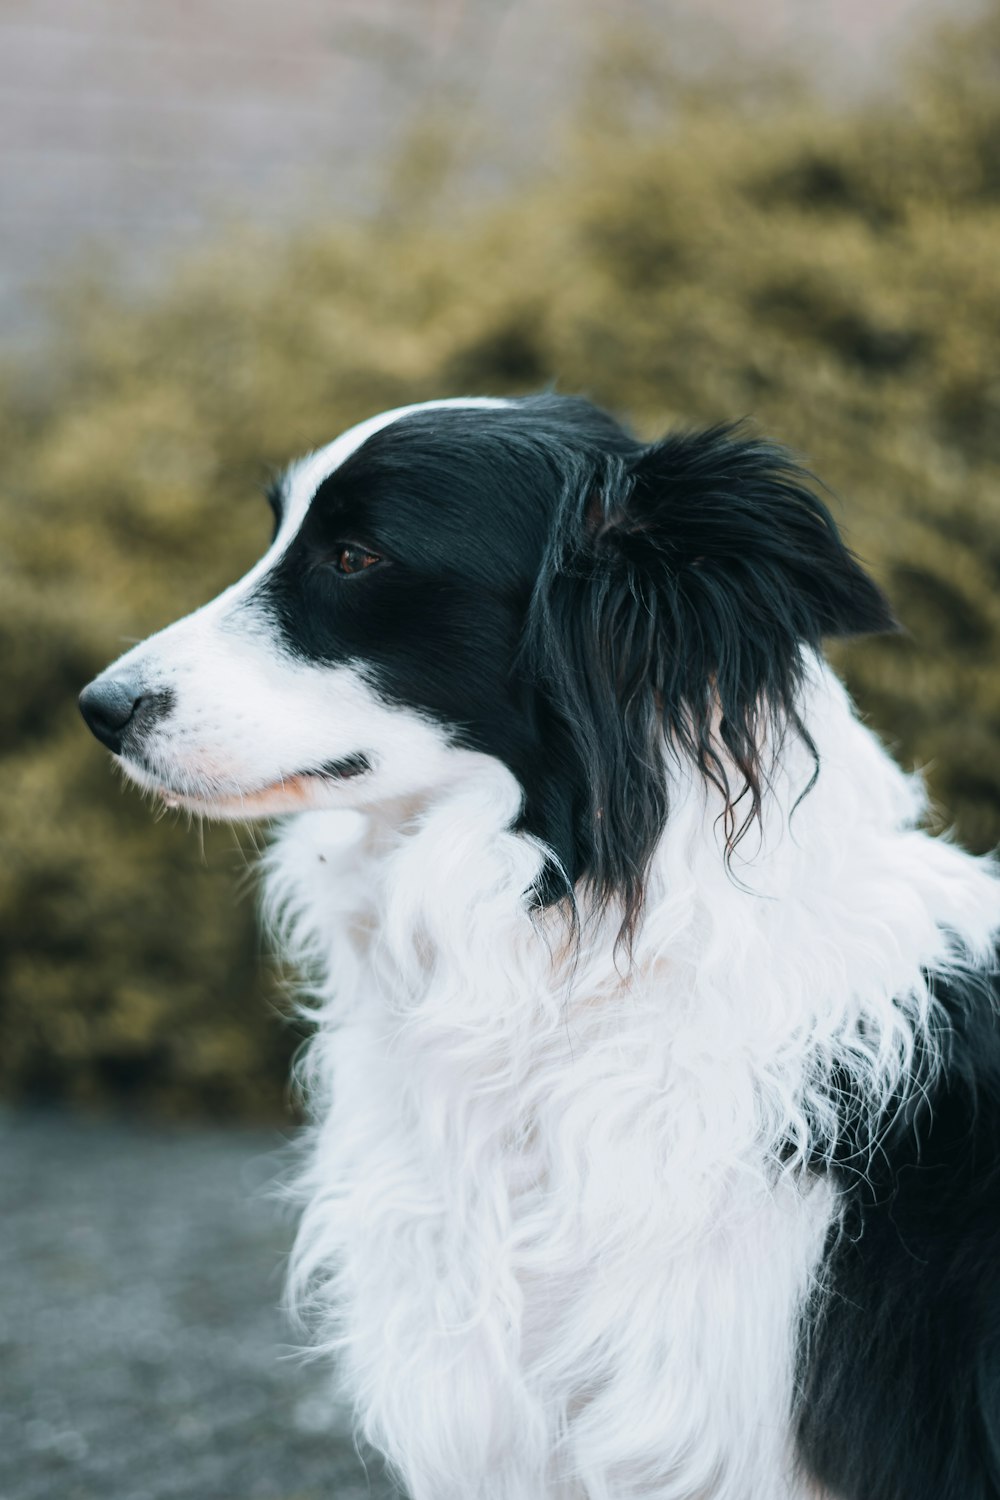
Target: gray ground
[[143, 1355]]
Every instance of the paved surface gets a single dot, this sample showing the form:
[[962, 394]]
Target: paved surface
[[143, 1355]]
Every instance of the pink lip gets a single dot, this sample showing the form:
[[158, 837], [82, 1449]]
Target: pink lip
[[288, 794]]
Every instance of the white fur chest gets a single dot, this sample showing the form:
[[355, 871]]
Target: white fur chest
[[528, 1282], [547, 1226], [533, 1221]]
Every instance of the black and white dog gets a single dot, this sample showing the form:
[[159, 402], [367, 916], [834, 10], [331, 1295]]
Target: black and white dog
[[656, 1072]]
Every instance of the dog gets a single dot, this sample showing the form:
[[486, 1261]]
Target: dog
[[655, 1076]]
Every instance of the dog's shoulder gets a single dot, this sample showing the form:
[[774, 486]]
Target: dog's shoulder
[[900, 1377]]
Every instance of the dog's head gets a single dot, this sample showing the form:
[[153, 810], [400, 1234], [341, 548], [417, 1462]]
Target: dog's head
[[520, 580]]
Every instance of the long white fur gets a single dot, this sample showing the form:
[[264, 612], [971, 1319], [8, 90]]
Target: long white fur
[[556, 1226], [552, 1230]]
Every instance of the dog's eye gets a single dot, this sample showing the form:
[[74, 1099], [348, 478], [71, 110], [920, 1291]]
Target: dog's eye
[[352, 559]]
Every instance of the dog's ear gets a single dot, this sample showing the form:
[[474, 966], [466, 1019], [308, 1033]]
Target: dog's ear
[[670, 618]]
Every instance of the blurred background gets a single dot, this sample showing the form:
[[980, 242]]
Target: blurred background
[[230, 230]]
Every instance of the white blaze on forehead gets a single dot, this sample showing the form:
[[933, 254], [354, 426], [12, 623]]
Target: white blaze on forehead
[[305, 477]]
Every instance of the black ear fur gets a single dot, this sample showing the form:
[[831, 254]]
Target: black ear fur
[[674, 604]]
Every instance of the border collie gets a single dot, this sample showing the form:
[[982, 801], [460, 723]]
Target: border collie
[[656, 1075]]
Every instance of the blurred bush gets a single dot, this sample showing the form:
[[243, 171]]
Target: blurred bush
[[701, 256]]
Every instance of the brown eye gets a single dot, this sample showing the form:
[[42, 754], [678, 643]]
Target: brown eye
[[355, 559]]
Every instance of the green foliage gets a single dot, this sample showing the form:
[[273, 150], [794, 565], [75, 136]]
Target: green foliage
[[699, 258]]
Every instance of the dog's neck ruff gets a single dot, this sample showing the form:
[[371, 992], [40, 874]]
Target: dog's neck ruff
[[555, 1210]]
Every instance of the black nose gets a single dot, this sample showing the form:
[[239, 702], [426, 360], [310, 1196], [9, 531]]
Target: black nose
[[110, 705]]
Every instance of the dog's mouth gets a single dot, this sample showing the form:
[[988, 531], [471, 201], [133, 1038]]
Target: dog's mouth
[[292, 793]]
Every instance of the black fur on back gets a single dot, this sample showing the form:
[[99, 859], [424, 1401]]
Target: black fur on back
[[900, 1368]]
